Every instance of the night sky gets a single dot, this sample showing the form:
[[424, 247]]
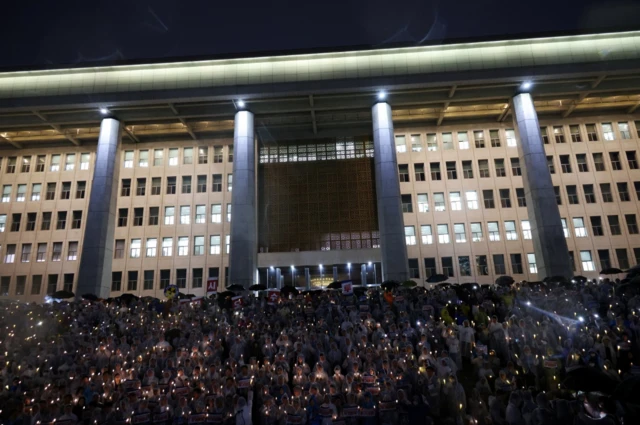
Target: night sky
[[58, 32]]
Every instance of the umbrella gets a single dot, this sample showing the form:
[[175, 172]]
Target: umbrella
[[443, 285], [437, 278], [579, 279], [226, 294], [61, 295], [287, 289], [389, 284], [90, 297], [555, 279], [611, 270], [334, 285], [257, 287], [628, 390], [236, 288], [588, 379], [504, 281], [409, 284]]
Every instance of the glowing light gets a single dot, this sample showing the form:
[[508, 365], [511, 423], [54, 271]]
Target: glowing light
[[528, 302], [527, 85], [104, 111], [369, 263], [240, 103], [382, 95]]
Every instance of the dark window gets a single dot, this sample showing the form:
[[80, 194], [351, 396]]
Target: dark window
[[596, 225], [196, 278], [572, 260], [483, 166], [575, 133], [216, 183], [138, 216], [452, 172], [616, 164], [66, 190], [544, 135], [67, 282], [16, 218], [598, 161], [447, 266], [572, 194], [414, 268], [217, 154], [614, 225], [116, 281], [186, 184], [125, 190], [623, 258], [505, 198], [118, 252], [550, 164], [419, 171], [487, 196], [558, 133], [500, 171], [46, 221], [123, 214], [230, 156], [31, 222], [147, 284], [467, 169], [499, 265], [516, 263], [495, 138], [51, 192], [407, 205], [636, 186], [482, 267], [141, 187], [565, 163], [403, 172], [522, 200], [632, 224], [592, 133], [605, 260], [76, 220], [181, 278], [435, 171], [40, 163], [81, 188], [605, 189], [202, 184], [132, 280], [515, 167], [581, 159], [623, 192], [429, 267], [165, 278], [52, 284], [465, 265], [154, 213], [156, 185], [556, 190], [632, 160], [36, 284], [171, 185], [589, 194], [61, 223]]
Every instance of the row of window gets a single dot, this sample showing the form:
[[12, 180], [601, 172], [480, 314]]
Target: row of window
[[21, 194], [36, 284], [39, 163], [342, 148], [166, 249], [61, 221], [144, 159], [479, 139], [169, 219], [494, 234], [171, 188], [26, 252], [500, 167], [148, 278]]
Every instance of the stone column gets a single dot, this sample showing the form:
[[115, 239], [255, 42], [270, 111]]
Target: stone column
[[243, 259], [395, 265], [549, 243], [94, 276]]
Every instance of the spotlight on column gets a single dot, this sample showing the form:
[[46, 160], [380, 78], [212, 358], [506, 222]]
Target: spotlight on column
[[271, 267], [240, 103], [526, 85], [382, 95], [369, 263], [104, 111]]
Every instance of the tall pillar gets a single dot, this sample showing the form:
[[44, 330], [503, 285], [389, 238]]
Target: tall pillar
[[549, 243], [243, 259], [94, 276], [395, 265]]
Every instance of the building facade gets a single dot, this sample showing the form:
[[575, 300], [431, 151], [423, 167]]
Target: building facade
[[401, 186]]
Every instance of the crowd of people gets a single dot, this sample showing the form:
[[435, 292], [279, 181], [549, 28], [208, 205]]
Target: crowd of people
[[446, 355]]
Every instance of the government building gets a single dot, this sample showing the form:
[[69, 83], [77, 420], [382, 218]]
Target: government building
[[472, 159]]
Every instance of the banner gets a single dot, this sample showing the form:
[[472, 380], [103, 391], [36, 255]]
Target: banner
[[386, 406], [347, 288], [236, 302], [160, 417], [197, 300], [212, 285], [198, 419], [273, 296], [293, 419], [244, 383], [350, 412], [142, 418]]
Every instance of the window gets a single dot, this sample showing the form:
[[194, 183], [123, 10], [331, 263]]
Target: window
[[472, 199], [16, 218], [154, 212], [81, 188], [76, 219], [494, 231], [128, 159], [476, 232], [455, 200], [125, 189], [587, 262], [447, 266], [589, 194], [598, 161], [183, 246], [533, 267], [510, 230], [185, 214], [3, 222], [592, 132], [581, 159], [483, 167], [447, 141], [21, 283], [487, 196], [505, 198], [202, 184], [187, 156], [423, 202], [214, 245], [605, 260], [511, 137], [500, 170], [229, 213], [495, 138], [452, 172], [410, 235], [152, 247], [181, 278], [558, 134], [46, 221], [565, 163], [607, 131], [632, 160], [438, 201], [516, 263], [147, 283], [169, 213], [141, 186], [550, 164], [407, 207], [429, 267], [443, 233], [132, 280], [565, 228], [36, 284], [186, 184], [478, 136], [216, 183], [467, 169], [464, 263], [416, 144], [10, 254], [6, 193], [52, 284], [482, 267], [596, 225], [426, 233], [61, 223], [203, 155], [198, 245], [217, 154], [72, 251], [31, 222], [526, 229], [605, 189], [26, 253], [55, 163], [632, 224], [158, 157], [463, 140], [196, 278], [432, 142], [143, 158], [165, 278], [499, 264], [515, 167], [403, 172], [401, 144], [636, 186], [40, 163], [116, 281], [11, 164], [419, 172], [21, 195], [636, 252], [625, 132], [56, 254], [156, 185], [544, 135], [460, 234], [579, 228], [623, 192], [614, 225], [575, 133], [520, 196], [123, 214], [26, 164], [229, 182], [227, 240], [173, 156], [572, 194], [435, 171], [201, 214], [167, 247], [616, 164], [216, 213], [171, 185]]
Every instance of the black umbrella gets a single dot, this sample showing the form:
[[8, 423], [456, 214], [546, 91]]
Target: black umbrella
[[90, 297], [286, 290], [127, 296], [257, 287], [334, 285], [589, 379], [437, 278], [579, 279], [505, 281], [226, 294], [611, 270], [235, 287], [389, 284], [409, 284], [555, 279], [443, 285], [628, 390], [62, 295]]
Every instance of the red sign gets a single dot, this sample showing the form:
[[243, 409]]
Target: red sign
[[212, 284], [236, 302], [273, 296], [347, 288]]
